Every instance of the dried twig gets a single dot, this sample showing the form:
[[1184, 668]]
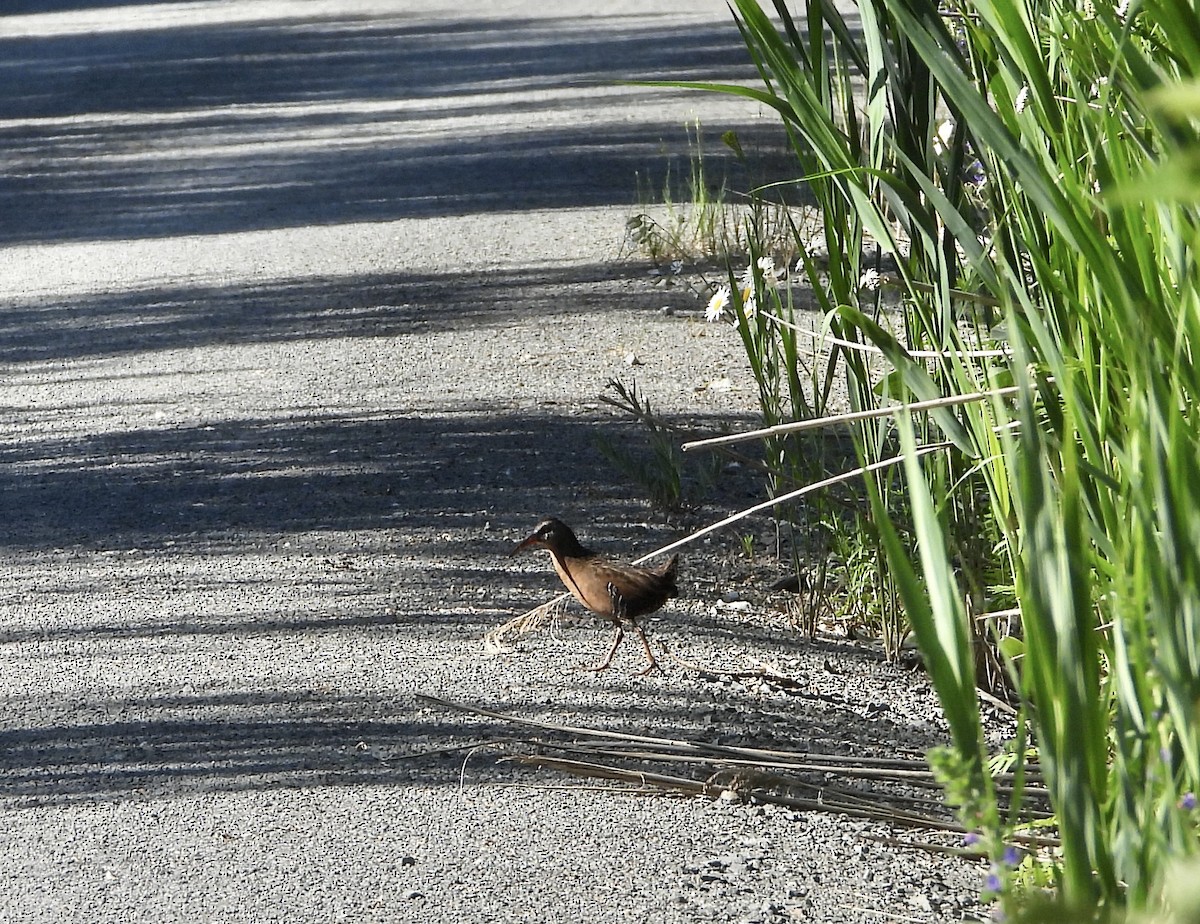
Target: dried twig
[[849, 417], [496, 640], [747, 774]]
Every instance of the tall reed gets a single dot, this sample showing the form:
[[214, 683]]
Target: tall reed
[[1016, 162]]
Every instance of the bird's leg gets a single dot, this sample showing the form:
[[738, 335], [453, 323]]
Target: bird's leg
[[651, 661], [617, 606], [603, 665]]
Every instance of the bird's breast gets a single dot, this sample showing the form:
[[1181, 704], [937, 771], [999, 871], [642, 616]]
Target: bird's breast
[[585, 584]]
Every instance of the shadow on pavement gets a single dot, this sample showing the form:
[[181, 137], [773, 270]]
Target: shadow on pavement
[[201, 743], [216, 127], [193, 316], [237, 480], [25, 7]]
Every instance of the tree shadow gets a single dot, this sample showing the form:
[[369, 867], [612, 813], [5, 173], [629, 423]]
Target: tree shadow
[[223, 490], [210, 128], [30, 7], [206, 742], [190, 315], [146, 488]]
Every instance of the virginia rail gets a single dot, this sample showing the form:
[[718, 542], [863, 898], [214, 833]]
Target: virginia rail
[[615, 590]]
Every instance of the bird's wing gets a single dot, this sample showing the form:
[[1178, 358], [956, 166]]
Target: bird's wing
[[643, 588]]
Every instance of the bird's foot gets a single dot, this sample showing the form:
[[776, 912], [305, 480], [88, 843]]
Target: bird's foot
[[651, 668]]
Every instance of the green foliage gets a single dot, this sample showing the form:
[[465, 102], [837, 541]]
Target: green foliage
[[696, 218], [864, 605], [1044, 241]]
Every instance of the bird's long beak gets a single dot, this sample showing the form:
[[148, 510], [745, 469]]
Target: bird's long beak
[[526, 543]]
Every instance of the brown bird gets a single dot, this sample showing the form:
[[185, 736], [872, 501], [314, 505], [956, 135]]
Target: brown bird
[[615, 590]]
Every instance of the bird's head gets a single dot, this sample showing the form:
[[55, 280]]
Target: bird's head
[[552, 534]]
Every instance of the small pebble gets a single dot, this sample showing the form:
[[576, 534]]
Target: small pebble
[[920, 902]]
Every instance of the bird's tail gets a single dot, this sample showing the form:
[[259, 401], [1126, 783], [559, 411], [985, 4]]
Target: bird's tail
[[671, 570]]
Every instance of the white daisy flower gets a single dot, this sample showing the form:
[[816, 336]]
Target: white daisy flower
[[870, 280], [770, 275], [718, 304]]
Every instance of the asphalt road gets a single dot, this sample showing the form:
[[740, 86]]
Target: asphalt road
[[305, 306]]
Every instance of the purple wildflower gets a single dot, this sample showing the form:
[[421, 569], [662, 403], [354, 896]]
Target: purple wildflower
[[1188, 802], [974, 175]]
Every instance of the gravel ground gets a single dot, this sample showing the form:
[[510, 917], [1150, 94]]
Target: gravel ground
[[306, 306]]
